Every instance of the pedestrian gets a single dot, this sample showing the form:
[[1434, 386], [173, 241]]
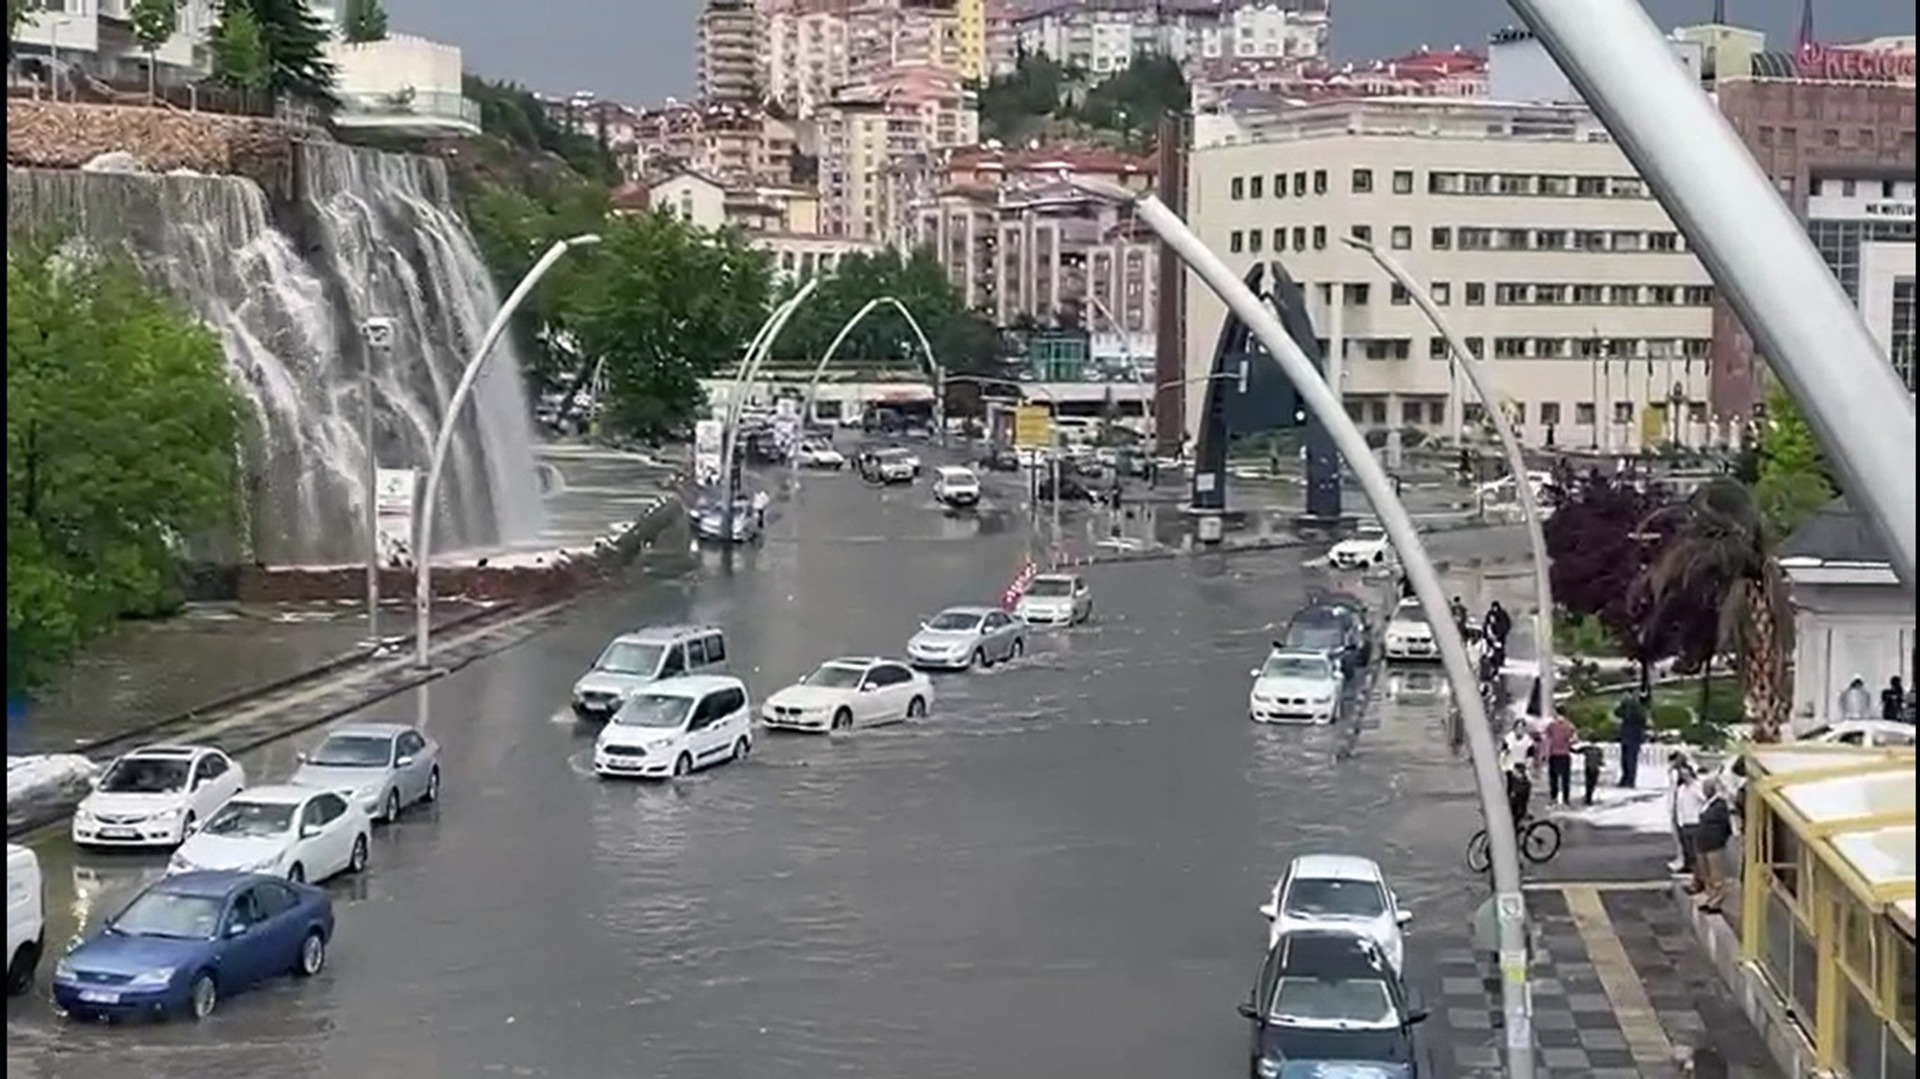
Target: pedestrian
[[1559, 746], [1714, 832], [1534, 704], [1685, 801], [1592, 758], [761, 500], [1632, 714], [1458, 608], [1519, 792], [1855, 701], [1893, 700], [1498, 625]]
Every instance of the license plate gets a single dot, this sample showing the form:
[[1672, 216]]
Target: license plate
[[118, 833], [99, 996]]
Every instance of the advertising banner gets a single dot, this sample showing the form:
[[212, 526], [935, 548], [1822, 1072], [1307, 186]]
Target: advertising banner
[[707, 439], [393, 500]]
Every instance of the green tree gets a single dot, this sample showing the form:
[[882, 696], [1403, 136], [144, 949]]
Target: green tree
[[154, 21], [240, 57], [512, 228], [1793, 477], [661, 304], [1014, 106], [1132, 102], [364, 20], [122, 435], [962, 341], [294, 44], [17, 13]]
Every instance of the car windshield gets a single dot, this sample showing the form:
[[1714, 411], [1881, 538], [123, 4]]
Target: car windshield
[[1357, 1002], [891, 455], [1316, 897], [159, 912], [834, 676], [1411, 613], [629, 657], [353, 751], [1316, 635], [1050, 587], [1296, 666], [960, 479], [145, 775], [653, 710], [251, 820], [954, 621]]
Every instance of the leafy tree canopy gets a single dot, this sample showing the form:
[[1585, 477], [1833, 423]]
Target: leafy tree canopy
[[17, 12], [294, 42], [511, 112], [659, 305], [1041, 95], [1793, 477], [240, 53], [961, 340], [154, 21], [364, 20], [122, 432]]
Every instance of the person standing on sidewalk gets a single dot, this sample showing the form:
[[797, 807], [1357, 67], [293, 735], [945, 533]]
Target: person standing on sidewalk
[[1688, 800], [1714, 832], [1592, 758], [1893, 700], [1559, 745], [1855, 702], [1632, 714]]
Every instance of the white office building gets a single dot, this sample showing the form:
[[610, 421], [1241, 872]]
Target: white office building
[[97, 36], [1527, 224], [1864, 228]]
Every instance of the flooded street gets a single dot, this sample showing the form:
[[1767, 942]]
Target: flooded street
[[1054, 874]]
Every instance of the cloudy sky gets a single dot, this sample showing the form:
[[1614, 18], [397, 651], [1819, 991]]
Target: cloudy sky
[[641, 51]]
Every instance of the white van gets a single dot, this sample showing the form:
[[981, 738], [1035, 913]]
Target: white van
[[676, 726], [26, 922], [637, 659]]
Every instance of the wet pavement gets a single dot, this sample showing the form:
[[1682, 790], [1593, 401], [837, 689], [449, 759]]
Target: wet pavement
[[1055, 874]]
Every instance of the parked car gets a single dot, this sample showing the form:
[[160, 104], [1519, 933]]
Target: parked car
[[299, 833], [710, 522], [1056, 599], [186, 941], [847, 692], [634, 660], [156, 796], [962, 637], [1338, 892], [956, 487], [1326, 1004], [383, 767], [890, 465], [1000, 459], [1335, 630], [819, 454], [26, 918], [1369, 549], [1409, 635], [1296, 687], [676, 726], [1070, 489]]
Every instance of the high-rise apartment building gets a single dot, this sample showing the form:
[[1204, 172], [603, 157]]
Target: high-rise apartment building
[[971, 20], [1103, 36], [727, 47], [879, 143]]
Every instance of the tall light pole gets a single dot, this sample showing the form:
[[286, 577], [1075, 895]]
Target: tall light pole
[[443, 441], [379, 340], [1754, 247], [1503, 846], [933, 362], [1467, 364], [743, 379], [1053, 447]]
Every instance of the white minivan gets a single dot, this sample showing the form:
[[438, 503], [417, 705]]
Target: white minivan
[[26, 922], [676, 726]]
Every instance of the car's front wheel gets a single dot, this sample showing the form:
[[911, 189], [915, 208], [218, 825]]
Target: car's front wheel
[[357, 860], [313, 955], [202, 996], [390, 812], [20, 969], [842, 720], [432, 793], [916, 708]]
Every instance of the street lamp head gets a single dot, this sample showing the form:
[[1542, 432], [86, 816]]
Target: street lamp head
[[585, 239], [1357, 243]]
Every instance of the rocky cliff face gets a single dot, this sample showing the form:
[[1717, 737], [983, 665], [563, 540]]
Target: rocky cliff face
[[63, 135]]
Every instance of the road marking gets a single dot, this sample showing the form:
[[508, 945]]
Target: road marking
[[1639, 1023]]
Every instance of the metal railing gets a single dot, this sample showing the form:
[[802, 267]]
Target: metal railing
[[435, 105]]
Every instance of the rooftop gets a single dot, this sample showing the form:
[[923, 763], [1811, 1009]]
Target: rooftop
[[1838, 533], [1854, 808]]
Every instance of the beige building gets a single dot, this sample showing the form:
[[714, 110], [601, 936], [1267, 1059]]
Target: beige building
[[878, 147], [1527, 224], [727, 44], [736, 144], [692, 197], [810, 49]]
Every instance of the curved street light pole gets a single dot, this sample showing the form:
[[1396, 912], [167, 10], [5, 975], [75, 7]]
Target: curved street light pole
[[1516, 461], [1757, 251], [933, 362], [1510, 901], [749, 372], [443, 441], [1053, 554]]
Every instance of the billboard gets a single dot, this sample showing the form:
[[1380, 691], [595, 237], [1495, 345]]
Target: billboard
[[393, 498], [708, 443], [1032, 427]]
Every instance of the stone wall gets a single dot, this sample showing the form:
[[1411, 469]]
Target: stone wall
[[518, 582], [65, 135]]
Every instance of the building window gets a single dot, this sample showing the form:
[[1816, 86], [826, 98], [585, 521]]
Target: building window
[[1358, 295], [1550, 240], [1549, 413], [1256, 187], [1299, 183], [1589, 240], [1477, 346], [1662, 295], [1476, 183], [1235, 242], [1555, 186], [1437, 348], [1508, 294], [1319, 237], [1476, 294], [1399, 296], [1362, 181], [1509, 348], [1623, 295], [1377, 409], [1901, 341], [1443, 183], [1663, 241], [1476, 239], [1516, 185], [1697, 295], [1589, 295], [1550, 348], [1696, 348], [1402, 237], [1403, 181], [1588, 187], [1299, 237], [1279, 185], [1279, 239], [1320, 181], [1517, 413], [1552, 295], [1696, 412], [1583, 413], [1411, 413], [1363, 233], [1623, 412], [1254, 237], [1388, 348], [1442, 239], [1237, 188], [1442, 293]]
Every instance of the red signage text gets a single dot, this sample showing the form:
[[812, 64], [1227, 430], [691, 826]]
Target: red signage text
[[1853, 65]]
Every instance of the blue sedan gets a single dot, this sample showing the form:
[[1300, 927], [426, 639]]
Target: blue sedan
[[189, 939]]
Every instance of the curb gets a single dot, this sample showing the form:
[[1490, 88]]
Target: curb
[[1285, 543]]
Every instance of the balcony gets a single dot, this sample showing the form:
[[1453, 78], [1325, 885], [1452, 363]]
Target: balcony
[[409, 113]]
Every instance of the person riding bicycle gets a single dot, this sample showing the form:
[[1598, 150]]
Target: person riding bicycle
[[1519, 791]]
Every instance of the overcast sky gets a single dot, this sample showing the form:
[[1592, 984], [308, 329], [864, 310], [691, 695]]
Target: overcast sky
[[641, 51]]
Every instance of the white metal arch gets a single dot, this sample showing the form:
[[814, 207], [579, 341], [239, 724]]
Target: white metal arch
[[933, 363]]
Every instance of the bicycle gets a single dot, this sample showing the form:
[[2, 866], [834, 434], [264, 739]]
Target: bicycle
[[1539, 842]]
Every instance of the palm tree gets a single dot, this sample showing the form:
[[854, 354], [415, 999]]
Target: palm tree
[[1720, 547]]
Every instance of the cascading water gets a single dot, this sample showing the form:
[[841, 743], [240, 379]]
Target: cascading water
[[385, 244]]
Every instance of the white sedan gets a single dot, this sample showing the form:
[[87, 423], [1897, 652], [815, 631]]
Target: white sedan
[[1340, 892], [298, 833], [1409, 635], [848, 692], [156, 796], [1368, 549], [1296, 686], [815, 454]]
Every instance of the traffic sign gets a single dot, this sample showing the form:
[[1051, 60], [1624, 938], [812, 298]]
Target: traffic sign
[[1032, 427]]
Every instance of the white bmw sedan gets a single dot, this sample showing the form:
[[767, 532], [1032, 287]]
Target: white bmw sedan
[[848, 692]]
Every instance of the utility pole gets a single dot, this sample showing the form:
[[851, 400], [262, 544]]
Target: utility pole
[[379, 340]]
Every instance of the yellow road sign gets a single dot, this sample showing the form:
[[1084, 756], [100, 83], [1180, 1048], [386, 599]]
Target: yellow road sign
[[1032, 427]]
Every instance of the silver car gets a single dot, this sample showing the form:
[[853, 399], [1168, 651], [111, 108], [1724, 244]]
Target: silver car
[[385, 767], [1056, 599], [962, 637]]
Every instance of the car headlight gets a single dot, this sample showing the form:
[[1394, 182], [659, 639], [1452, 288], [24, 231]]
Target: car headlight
[[170, 813], [63, 970], [1268, 1069], [1325, 699], [151, 979], [266, 866], [368, 793]]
